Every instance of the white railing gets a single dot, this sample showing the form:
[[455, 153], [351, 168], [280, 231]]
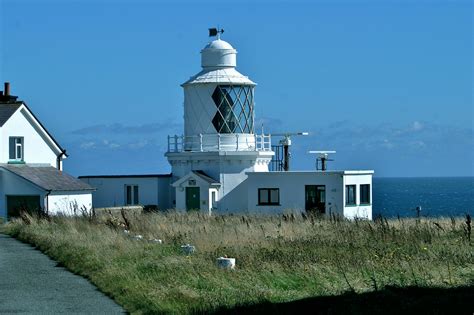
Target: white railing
[[219, 142]]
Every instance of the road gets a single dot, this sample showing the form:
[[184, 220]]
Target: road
[[30, 282]]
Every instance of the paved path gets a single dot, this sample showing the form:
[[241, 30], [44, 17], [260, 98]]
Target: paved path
[[30, 282]]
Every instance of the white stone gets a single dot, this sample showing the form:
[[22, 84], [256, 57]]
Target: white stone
[[188, 249], [226, 263]]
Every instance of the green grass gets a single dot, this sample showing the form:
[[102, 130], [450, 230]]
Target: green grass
[[277, 260]]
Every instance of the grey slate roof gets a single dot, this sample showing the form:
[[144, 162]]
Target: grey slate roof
[[206, 177], [47, 177], [126, 176], [7, 110]]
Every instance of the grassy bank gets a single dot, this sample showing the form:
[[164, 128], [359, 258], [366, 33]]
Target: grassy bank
[[278, 259]]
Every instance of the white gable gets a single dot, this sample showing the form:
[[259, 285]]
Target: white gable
[[38, 146]]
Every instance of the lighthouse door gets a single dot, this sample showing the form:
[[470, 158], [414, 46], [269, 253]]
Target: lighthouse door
[[192, 198], [315, 198]]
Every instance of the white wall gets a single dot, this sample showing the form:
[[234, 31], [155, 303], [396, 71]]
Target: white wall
[[292, 190], [37, 149], [359, 211], [63, 202], [111, 191]]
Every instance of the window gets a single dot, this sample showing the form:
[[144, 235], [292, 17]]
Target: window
[[234, 109], [364, 194], [131, 195], [268, 196], [16, 148], [350, 195]]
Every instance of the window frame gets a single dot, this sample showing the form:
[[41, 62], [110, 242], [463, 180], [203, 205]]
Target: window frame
[[14, 147], [347, 203], [134, 195], [269, 195], [368, 202]]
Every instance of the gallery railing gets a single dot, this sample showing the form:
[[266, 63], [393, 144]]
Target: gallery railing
[[219, 142]]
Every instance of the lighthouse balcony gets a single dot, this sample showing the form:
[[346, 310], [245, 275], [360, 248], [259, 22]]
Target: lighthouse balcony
[[219, 142]]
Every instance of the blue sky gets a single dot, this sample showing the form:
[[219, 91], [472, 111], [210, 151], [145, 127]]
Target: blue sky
[[388, 84]]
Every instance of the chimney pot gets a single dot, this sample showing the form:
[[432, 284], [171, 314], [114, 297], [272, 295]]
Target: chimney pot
[[7, 88]]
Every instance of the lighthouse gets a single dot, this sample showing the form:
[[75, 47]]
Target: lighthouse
[[220, 164], [219, 145]]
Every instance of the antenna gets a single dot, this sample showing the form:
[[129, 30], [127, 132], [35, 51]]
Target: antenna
[[286, 143], [322, 159]]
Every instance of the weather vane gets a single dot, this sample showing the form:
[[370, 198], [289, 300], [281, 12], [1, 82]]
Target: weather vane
[[216, 32]]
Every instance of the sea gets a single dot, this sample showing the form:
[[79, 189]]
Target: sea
[[437, 196]]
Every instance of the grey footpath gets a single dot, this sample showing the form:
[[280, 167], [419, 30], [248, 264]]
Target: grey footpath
[[31, 283]]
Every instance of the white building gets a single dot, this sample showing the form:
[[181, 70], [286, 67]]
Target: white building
[[220, 164], [31, 161], [130, 190]]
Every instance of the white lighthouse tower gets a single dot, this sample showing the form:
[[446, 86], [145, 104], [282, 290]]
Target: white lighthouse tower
[[219, 146]]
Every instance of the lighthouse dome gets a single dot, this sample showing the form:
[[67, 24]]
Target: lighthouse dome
[[219, 44], [218, 54]]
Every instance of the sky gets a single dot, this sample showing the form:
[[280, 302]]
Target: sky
[[387, 84]]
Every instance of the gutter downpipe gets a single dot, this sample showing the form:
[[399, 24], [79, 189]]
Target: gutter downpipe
[[58, 159], [46, 197]]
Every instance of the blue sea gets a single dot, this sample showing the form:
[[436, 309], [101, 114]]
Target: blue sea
[[437, 196]]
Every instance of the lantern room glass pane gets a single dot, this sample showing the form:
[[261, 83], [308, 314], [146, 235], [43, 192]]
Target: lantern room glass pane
[[234, 109]]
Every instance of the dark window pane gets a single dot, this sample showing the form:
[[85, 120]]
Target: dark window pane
[[263, 196], [350, 195], [365, 194], [274, 196], [129, 195], [135, 195], [12, 148]]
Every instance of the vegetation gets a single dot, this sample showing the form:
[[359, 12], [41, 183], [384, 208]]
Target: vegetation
[[278, 258]]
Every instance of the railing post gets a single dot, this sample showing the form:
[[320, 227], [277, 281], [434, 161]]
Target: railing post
[[237, 139], [168, 143], [175, 143], [200, 141], [218, 142]]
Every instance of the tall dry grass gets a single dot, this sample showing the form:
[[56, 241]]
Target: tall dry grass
[[279, 258]]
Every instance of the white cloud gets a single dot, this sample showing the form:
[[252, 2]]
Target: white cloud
[[387, 144], [138, 144], [418, 144], [416, 126], [87, 145]]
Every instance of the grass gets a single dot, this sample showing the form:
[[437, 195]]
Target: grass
[[279, 259]]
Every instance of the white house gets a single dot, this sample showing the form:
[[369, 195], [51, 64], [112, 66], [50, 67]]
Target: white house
[[31, 162], [220, 164]]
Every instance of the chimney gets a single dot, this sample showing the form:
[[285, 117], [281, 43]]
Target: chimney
[[7, 89]]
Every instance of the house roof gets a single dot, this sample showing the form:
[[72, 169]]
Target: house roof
[[8, 108], [205, 177], [197, 174], [47, 177], [126, 176]]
